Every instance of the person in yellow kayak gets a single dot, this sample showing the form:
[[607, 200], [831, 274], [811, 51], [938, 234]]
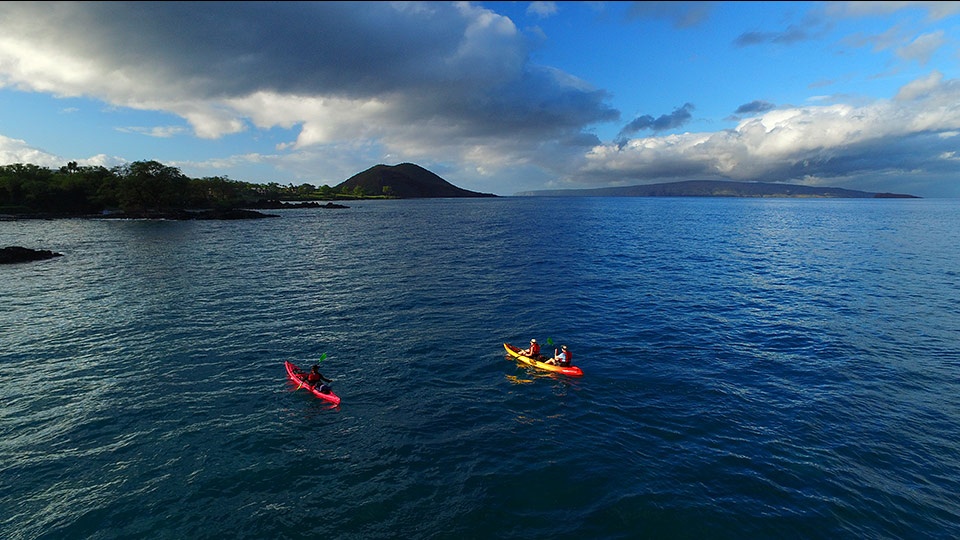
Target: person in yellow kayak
[[533, 351], [562, 359]]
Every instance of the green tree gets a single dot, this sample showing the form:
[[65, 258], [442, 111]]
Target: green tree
[[152, 186], [30, 185], [219, 191]]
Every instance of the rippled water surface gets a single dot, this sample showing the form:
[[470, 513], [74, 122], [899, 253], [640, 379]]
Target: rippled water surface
[[753, 369]]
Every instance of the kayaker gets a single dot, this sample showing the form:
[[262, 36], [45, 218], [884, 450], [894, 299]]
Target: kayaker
[[315, 377], [533, 351], [562, 359]]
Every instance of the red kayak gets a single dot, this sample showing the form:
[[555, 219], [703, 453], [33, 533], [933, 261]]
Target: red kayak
[[299, 378]]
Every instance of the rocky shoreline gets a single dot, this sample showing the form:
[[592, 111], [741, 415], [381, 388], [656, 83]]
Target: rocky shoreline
[[176, 215], [279, 205], [251, 212], [18, 254]]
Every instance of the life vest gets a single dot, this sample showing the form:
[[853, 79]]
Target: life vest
[[313, 377], [568, 358], [534, 349]]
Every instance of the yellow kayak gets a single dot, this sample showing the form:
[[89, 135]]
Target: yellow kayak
[[515, 352]]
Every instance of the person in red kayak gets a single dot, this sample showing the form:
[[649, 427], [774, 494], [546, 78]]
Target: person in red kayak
[[315, 378], [563, 359], [533, 351]]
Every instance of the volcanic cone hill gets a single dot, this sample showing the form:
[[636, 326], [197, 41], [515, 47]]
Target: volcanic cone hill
[[404, 181]]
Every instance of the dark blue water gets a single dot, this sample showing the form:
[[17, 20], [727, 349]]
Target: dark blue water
[[753, 369]]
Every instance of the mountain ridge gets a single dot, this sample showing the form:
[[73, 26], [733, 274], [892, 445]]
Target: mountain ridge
[[717, 188]]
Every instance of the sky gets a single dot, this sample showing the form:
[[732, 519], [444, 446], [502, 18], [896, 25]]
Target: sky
[[495, 97]]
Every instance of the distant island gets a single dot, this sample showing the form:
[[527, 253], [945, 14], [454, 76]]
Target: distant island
[[718, 188]]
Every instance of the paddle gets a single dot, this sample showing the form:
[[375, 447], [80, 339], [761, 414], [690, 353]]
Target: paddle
[[537, 359], [322, 358], [549, 342]]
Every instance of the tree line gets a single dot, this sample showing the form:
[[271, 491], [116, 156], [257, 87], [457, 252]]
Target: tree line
[[141, 186]]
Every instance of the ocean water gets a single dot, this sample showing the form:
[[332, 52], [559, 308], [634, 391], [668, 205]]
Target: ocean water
[[778, 368]]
